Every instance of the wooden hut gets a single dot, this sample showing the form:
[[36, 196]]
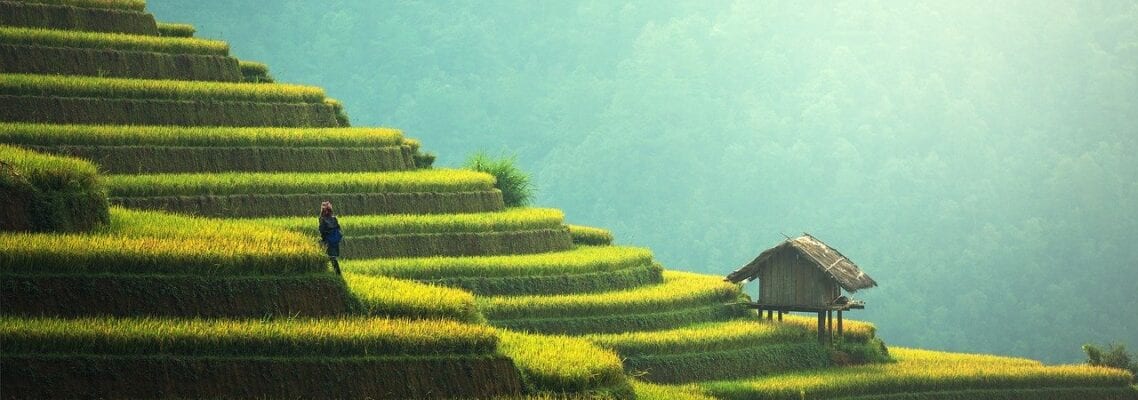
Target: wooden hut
[[806, 275]]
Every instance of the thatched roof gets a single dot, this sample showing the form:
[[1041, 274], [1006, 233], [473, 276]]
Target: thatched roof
[[826, 258]]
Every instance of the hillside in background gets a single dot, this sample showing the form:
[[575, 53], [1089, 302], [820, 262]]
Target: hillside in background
[[158, 240], [976, 158]]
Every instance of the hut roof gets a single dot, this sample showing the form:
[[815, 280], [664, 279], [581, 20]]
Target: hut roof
[[826, 258]]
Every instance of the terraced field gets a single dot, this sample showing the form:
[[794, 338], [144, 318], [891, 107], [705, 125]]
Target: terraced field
[[116, 120]]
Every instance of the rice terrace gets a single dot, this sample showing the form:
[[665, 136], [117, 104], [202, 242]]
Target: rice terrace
[[159, 240]]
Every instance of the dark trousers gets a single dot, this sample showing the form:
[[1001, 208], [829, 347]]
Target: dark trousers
[[333, 250]]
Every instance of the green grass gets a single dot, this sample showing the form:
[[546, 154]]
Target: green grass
[[173, 160], [49, 193], [617, 322], [253, 68], [561, 364], [398, 298], [578, 261], [921, 371], [339, 337], [435, 180], [46, 172], [150, 242], [679, 290], [591, 282], [131, 5], [702, 338], [119, 88], [652, 391], [182, 112], [111, 41], [514, 219], [166, 29], [589, 236], [771, 359], [104, 135], [459, 244]]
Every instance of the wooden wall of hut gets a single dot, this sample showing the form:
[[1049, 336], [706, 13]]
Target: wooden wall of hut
[[791, 280]]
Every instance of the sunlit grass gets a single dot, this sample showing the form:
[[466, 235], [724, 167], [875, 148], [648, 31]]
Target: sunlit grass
[[920, 371], [111, 135], [336, 337], [152, 242], [119, 88], [434, 180]]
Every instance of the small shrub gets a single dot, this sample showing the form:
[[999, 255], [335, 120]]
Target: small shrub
[[512, 181], [1114, 356]]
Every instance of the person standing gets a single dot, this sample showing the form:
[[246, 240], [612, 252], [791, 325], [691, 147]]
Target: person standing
[[330, 234]]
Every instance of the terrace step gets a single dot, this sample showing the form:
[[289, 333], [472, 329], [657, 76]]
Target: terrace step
[[723, 350], [456, 244], [937, 375], [513, 231], [106, 111], [189, 296], [148, 159], [585, 269], [682, 299], [24, 59], [66, 17], [364, 357], [293, 194], [271, 205]]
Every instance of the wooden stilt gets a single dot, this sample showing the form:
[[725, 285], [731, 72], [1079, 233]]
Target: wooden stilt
[[830, 326], [780, 315], [822, 327], [841, 334], [770, 314]]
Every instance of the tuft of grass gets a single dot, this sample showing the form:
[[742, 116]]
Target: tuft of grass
[[336, 337], [110, 135], [111, 41], [517, 191], [153, 89], [564, 365], [435, 180], [166, 29], [49, 193], [590, 236]]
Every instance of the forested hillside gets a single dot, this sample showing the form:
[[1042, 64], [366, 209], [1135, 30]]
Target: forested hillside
[[977, 159]]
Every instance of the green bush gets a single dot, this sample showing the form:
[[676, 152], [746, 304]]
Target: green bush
[[1115, 356], [512, 181]]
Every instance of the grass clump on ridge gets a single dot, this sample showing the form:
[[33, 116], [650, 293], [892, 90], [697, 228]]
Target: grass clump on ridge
[[515, 219], [564, 365], [111, 41], [435, 180], [139, 89], [335, 337], [517, 191], [590, 236], [156, 243], [111, 135], [167, 29], [49, 193]]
